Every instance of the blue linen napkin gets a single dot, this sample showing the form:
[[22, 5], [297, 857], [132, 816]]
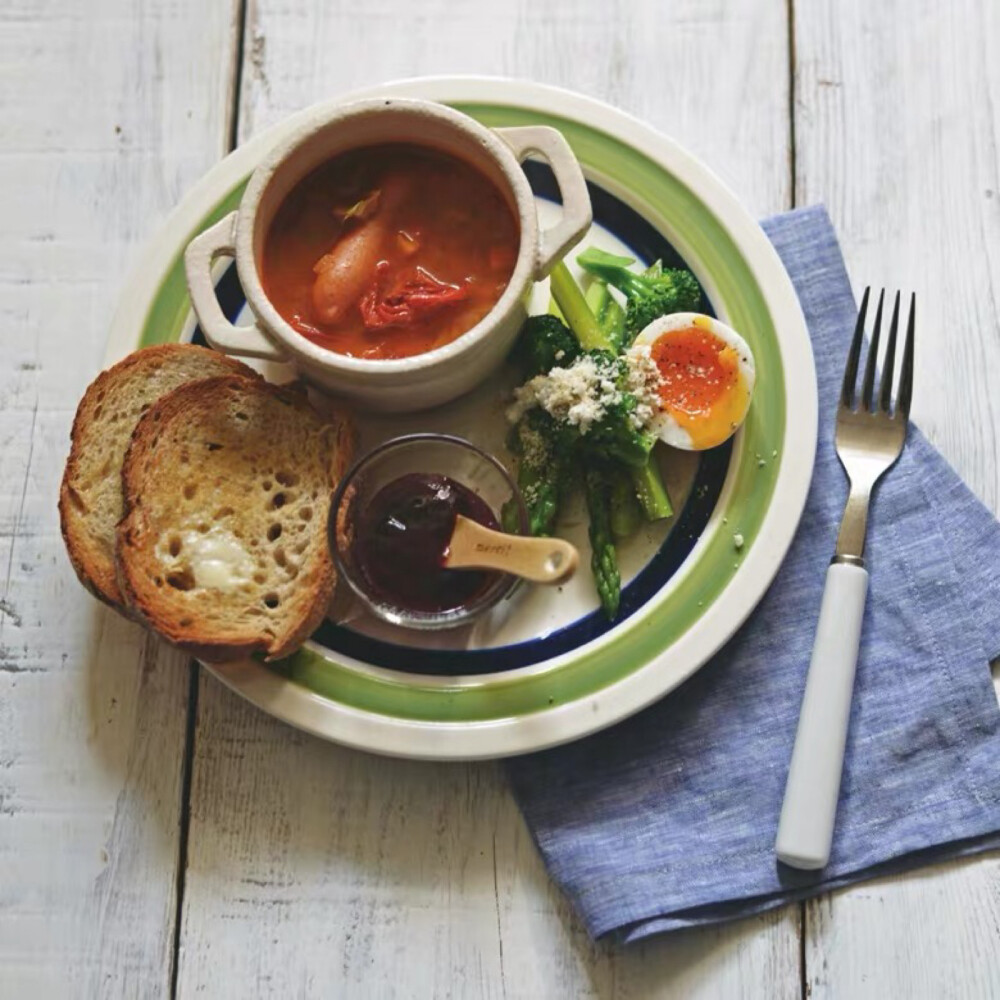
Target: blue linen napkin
[[668, 819]]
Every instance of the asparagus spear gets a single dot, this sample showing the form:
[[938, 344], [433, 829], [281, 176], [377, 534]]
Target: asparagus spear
[[576, 312], [610, 315], [541, 472], [603, 559], [624, 511], [651, 490], [647, 482], [611, 490], [649, 485]]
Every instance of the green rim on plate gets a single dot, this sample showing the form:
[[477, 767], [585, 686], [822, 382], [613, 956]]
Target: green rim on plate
[[667, 616]]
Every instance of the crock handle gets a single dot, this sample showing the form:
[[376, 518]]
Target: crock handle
[[576, 211], [201, 253]]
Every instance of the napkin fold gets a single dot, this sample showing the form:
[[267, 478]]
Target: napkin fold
[[668, 819]]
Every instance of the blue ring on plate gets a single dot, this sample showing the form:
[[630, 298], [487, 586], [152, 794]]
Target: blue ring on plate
[[647, 244]]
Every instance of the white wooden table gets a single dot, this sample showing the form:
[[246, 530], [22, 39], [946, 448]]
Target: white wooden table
[[160, 837]]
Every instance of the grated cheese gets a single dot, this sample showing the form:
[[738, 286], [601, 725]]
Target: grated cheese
[[644, 381], [582, 392], [578, 395]]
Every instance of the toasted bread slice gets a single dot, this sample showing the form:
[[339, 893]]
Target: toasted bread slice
[[223, 548], [90, 499]]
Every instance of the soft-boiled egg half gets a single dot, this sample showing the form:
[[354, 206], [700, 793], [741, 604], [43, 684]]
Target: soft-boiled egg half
[[702, 377]]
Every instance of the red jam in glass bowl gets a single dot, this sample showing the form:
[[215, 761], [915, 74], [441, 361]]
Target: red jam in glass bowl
[[401, 542], [391, 522]]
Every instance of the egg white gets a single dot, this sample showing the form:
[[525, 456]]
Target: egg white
[[663, 423]]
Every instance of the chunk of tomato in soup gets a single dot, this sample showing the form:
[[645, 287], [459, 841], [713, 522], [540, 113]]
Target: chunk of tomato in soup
[[389, 251]]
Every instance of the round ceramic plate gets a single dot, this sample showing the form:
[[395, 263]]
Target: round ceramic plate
[[547, 666]]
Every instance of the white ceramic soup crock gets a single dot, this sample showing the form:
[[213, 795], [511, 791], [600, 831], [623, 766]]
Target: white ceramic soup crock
[[400, 384]]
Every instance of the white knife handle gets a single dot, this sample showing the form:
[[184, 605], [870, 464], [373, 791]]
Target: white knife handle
[[805, 830]]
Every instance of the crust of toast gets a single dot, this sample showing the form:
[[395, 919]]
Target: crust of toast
[[90, 501], [249, 462]]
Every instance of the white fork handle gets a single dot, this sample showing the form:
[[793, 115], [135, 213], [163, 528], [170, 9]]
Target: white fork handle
[[805, 830]]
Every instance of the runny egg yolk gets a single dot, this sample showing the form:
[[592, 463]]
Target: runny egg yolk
[[701, 384]]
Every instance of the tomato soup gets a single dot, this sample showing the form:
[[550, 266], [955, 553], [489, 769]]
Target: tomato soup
[[389, 251]]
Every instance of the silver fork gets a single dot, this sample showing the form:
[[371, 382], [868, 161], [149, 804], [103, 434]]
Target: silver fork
[[869, 439]]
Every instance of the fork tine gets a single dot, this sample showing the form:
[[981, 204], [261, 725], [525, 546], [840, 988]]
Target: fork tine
[[851, 372], [868, 387], [888, 362], [906, 375]]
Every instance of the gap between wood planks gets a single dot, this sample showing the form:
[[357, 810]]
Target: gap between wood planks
[[185, 820], [240, 29], [792, 202]]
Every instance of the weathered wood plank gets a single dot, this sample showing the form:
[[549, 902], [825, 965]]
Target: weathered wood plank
[[897, 125], [109, 111], [312, 867], [931, 934], [644, 56]]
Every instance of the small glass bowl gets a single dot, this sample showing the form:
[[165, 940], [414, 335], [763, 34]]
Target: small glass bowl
[[445, 455]]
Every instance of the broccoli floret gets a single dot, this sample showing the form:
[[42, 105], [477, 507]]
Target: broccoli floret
[[591, 408], [615, 435], [649, 295], [544, 343]]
